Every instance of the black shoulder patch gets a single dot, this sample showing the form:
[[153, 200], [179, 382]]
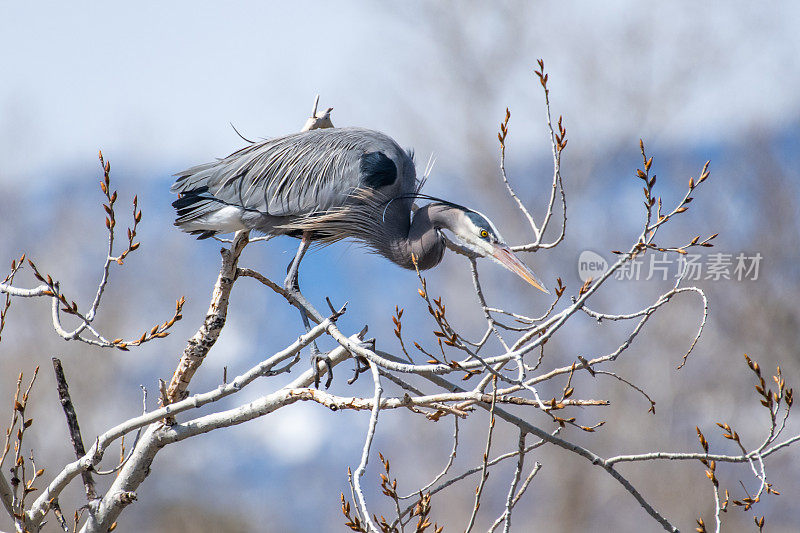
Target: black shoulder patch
[[377, 170]]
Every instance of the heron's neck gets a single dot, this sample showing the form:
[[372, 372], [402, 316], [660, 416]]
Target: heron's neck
[[421, 239]]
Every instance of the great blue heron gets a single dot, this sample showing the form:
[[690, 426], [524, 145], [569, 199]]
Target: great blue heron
[[329, 184]]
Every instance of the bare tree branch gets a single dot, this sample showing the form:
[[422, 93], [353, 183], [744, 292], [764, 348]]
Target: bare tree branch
[[198, 346], [72, 425]]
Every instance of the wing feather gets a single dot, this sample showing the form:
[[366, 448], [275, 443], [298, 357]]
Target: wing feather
[[297, 174]]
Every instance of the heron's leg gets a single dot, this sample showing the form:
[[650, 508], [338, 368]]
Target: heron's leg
[[292, 285]]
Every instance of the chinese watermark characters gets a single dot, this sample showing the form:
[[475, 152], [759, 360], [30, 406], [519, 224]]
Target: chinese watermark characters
[[664, 266]]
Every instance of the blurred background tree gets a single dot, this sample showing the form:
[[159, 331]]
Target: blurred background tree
[[155, 86]]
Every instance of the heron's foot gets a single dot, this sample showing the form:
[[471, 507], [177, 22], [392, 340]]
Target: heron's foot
[[316, 359], [361, 366]]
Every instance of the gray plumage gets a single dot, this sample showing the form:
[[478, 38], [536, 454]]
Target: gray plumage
[[297, 174], [329, 184]]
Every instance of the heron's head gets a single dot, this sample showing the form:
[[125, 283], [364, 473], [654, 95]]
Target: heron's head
[[477, 233]]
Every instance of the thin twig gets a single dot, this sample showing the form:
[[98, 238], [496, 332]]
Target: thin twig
[[484, 472], [373, 422]]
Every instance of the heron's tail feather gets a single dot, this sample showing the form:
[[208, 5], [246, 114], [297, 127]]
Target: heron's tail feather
[[200, 213]]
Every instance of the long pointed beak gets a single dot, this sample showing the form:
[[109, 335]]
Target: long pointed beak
[[507, 258]]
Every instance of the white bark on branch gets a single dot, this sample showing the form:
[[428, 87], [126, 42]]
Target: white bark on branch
[[362, 466], [156, 436], [198, 346], [95, 453]]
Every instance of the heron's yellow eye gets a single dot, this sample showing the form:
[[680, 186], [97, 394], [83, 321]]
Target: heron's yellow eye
[[484, 233]]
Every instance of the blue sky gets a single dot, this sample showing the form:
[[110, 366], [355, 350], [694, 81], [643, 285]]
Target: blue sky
[[160, 81]]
